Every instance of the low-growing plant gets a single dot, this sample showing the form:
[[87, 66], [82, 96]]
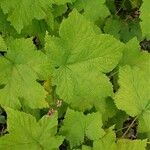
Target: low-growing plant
[[74, 74]]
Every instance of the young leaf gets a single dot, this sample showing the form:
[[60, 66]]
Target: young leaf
[[80, 56], [93, 126], [26, 133], [20, 68], [76, 126], [133, 56]]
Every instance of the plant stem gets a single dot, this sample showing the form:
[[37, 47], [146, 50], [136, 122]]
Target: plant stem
[[121, 129], [130, 126], [120, 7], [114, 73]]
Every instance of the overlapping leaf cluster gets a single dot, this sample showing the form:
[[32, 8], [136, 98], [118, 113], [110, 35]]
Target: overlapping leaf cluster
[[72, 72]]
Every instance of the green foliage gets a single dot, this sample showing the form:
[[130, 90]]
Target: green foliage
[[145, 19], [134, 57], [131, 145], [3, 46], [76, 126], [20, 68], [106, 142], [74, 75], [79, 65], [123, 30], [100, 10], [133, 95], [21, 13], [26, 133]]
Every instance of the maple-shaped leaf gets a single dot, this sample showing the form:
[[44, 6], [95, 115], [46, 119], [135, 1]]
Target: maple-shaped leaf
[[125, 144], [27, 133], [133, 95], [145, 17], [133, 56], [22, 12], [74, 127], [20, 67], [77, 125], [80, 57]]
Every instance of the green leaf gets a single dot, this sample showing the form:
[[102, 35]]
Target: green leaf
[[125, 144], [106, 107], [145, 17], [124, 31], [93, 126], [111, 5], [83, 89], [76, 126], [20, 68], [84, 147], [80, 56], [3, 46], [108, 142], [133, 96], [62, 2], [130, 30], [21, 13], [93, 10], [5, 27], [2, 119], [26, 133], [118, 121], [133, 56], [37, 29], [113, 27], [59, 10]]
